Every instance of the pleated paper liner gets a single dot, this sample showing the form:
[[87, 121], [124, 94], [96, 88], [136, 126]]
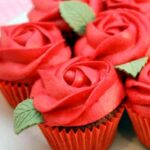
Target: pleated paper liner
[[141, 126], [14, 93], [99, 137]]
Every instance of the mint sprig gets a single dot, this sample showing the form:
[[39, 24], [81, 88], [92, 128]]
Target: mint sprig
[[77, 15], [134, 67], [25, 116]]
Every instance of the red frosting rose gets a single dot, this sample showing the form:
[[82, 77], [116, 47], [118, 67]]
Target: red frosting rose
[[77, 92], [25, 48], [48, 10], [118, 36], [138, 92], [140, 5]]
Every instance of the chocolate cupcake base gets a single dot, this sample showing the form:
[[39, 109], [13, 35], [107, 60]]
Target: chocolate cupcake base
[[15, 93], [141, 126], [95, 136]]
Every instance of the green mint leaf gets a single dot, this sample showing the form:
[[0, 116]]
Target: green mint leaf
[[26, 116], [77, 15], [134, 67]]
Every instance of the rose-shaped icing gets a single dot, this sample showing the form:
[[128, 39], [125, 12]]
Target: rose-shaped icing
[[27, 47], [138, 92], [48, 10], [77, 92], [139, 5], [118, 36]]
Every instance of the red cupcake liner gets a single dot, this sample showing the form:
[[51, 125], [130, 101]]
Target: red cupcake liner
[[141, 126], [98, 138], [15, 92]]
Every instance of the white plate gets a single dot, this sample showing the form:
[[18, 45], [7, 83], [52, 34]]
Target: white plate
[[32, 139]]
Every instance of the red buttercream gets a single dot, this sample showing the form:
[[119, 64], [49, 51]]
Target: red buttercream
[[118, 36], [121, 3], [138, 92], [77, 93], [28, 47], [140, 5], [48, 10]]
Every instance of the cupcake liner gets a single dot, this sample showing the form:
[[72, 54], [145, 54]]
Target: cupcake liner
[[14, 92], [141, 126], [98, 138]]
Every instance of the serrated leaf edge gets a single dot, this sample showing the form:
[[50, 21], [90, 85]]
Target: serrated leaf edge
[[36, 114], [81, 29], [131, 64]]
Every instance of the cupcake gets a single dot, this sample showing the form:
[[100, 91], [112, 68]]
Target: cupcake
[[78, 103], [138, 104], [24, 49]]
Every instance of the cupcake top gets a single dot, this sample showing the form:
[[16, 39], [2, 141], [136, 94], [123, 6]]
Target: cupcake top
[[117, 35], [27, 47], [77, 92], [138, 92]]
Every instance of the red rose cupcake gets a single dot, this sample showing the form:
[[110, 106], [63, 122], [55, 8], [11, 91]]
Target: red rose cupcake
[[79, 103], [138, 106], [118, 36], [25, 48]]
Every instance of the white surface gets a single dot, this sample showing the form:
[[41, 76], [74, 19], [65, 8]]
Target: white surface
[[32, 139], [10, 9], [21, 19]]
